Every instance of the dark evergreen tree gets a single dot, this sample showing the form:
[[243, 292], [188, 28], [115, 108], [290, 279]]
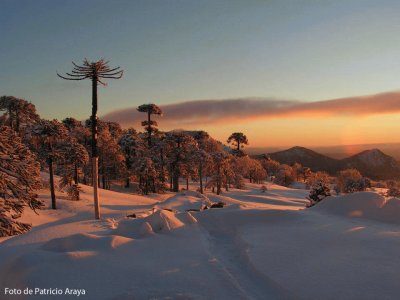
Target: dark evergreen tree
[[129, 143], [150, 125], [238, 139], [19, 113], [19, 178], [48, 134], [179, 145]]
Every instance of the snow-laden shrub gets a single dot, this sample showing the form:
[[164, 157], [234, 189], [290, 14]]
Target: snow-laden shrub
[[73, 192], [319, 191], [238, 181], [393, 189], [285, 176], [314, 178], [271, 166], [351, 180]]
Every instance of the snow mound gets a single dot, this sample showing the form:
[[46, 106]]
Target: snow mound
[[161, 221], [186, 200], [187, 218], [367, 205], [146, 230], [85, 242]]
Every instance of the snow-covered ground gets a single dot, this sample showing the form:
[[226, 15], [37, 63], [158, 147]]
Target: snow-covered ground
[[259, 246]]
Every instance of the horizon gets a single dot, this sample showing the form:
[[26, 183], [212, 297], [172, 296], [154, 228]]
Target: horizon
[[292, 73]]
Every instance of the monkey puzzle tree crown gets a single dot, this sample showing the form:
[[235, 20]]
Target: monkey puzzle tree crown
[[94, 70], [151, 109]]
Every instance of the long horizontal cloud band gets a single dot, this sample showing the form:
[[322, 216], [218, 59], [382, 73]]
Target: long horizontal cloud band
[[208, 112]]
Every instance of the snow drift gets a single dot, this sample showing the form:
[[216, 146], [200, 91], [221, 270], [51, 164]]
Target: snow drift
[[161, 221], [367, 205]]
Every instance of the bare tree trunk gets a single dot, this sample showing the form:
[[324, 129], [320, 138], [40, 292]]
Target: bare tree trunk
[[17, 121], [162, 176], [10, 119], [95, 158], [76, 179], [218, 187], [52, 189], [95, 163], [187, 183], [84, 177], [128, 167], [175, 180], [149, 129]]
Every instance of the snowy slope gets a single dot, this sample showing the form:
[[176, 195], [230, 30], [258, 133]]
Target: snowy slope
[[260, 246]]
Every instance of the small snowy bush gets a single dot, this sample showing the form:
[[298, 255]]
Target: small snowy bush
[[314, 178], [73, 192], [285, 176], [319, 191], [351, 180], [263, 189], [393, 189]]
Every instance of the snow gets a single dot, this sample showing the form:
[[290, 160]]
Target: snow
[[261, 245], [367, 205]]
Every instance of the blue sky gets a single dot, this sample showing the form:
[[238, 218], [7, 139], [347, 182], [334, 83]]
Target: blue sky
[[175, 50]]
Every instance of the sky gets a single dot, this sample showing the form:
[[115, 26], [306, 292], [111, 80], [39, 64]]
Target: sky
[[286, 56]]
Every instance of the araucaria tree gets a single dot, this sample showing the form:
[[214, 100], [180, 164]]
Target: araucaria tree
[[179, 147], [149, 124], [74, 157], [95, 71], [19, 178], [129, 143], [18, 112], [238, 139], [48, 134]]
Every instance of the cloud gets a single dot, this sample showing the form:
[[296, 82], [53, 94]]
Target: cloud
[[213, 112]]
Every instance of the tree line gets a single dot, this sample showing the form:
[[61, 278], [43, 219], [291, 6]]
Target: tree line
[[155, 160]]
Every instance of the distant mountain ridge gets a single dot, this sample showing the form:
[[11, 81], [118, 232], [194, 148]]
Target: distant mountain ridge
[[372, 163]]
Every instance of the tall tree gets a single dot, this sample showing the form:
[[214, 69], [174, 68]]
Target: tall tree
[[159, 157], [111, 158], [74, 157], [201, 156], [18, 112], [238, 139], [147, 173], [179, 146], [48, 134], [19, 178], [129, 143], [220, 168], [96, 71], [81, 135], [150, 125]]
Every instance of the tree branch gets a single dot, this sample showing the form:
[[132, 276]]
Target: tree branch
[[66, 78]]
